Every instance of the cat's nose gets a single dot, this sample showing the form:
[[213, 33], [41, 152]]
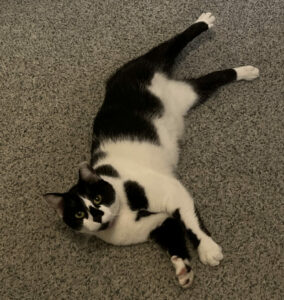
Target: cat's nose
[[97, 214]]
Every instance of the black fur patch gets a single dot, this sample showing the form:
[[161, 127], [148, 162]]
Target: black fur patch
[[127, 114], [104, 226], [176, 214], [136, 197], [129, 108], [96, 156], [107, 170], [188, 268], [201, 223], [171, 237], [96, 214], [209, 83], [101, 187], [142, 214], [72, 204], [95, 144], [165, 54], [192, 236]]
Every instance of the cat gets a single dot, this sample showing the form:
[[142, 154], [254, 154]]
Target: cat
[[128, 192]]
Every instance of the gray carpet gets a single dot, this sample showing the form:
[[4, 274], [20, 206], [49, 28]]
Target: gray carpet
[[54, 59]]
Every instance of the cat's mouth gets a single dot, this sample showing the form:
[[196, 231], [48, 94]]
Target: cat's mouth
[[111, 223], [107, 225]]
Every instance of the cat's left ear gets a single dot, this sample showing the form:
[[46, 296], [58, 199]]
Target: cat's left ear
[[55, 200], [86, 173]]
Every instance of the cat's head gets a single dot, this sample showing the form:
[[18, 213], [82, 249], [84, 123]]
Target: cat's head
[[89, 206]]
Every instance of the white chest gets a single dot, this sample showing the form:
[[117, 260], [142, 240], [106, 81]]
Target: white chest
[[127, 230]]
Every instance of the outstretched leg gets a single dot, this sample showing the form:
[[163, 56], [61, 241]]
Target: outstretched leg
[[209, 83], [177, 202], [159, 59], [164, 55], [171, 237]]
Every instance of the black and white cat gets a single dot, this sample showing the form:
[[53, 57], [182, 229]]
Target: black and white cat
[[128, 192]]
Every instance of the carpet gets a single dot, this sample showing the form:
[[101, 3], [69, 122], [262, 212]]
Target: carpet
[[55, 57]]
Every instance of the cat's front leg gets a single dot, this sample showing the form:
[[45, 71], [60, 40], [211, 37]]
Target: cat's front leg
[[166, 194], [180, 204], [170, 236]]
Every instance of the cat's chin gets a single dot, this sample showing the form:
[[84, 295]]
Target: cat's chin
[[104, 226], [111, 223]]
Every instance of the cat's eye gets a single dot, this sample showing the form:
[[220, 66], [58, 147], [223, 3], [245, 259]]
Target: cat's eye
[[98, 199], [80, 215]]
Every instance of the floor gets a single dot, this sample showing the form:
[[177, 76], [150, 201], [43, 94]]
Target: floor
[[55, 58]]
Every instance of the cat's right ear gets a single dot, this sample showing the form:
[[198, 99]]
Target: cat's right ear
[[55, 200]]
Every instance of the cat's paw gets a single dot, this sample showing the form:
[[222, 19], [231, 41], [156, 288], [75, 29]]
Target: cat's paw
[[247, 73], [207, 18], [184, 272], [210, 253]]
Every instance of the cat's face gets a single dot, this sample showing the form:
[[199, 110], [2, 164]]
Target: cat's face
[[89, 206]]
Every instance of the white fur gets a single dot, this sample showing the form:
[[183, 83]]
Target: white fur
[[207, 18], [177, 98], [247, 73], [89, 226], [209, 252], [185, 278], [152, 166]]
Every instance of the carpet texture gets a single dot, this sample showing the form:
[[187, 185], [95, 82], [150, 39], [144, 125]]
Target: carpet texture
[[54, 59]]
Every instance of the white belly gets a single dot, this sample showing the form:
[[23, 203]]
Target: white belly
[[177, 97]]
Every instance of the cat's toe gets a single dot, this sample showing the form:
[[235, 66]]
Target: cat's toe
[[184, 272], [185, 280], [207, 18], [210, 253], [247, 73]]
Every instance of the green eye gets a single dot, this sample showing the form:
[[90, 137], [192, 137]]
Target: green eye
[[80, 215], [98, 199]]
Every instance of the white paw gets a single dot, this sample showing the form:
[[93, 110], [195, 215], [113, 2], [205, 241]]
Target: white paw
[[210, 253], [247, 73], [207, 18], [183, 271]]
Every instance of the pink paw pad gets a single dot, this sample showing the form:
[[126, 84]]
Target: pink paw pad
[[183, 271]]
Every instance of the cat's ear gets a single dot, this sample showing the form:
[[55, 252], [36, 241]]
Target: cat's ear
[[87, 173], [55, 200]]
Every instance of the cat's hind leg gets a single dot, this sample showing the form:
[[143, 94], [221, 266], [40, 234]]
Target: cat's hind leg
[[206, 85], [171, 237], [165, 54]]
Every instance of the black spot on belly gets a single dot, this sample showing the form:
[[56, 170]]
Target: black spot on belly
[[142, 214], [135, 195], [106, 170]]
